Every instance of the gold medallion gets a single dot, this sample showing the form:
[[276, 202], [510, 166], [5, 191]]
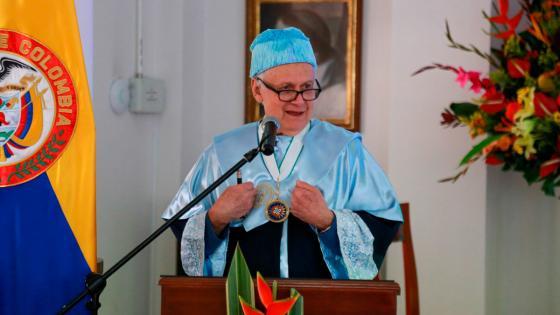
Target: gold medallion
[[277, 211]]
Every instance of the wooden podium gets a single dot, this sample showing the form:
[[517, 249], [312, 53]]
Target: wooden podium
[[199, 295]]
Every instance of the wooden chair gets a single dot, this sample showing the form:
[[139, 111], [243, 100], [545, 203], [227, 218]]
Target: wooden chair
[[410, 277]]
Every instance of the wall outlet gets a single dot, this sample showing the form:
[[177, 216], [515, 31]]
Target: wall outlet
[[147, 95]]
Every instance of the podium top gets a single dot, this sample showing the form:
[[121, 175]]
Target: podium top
[[206, 295]]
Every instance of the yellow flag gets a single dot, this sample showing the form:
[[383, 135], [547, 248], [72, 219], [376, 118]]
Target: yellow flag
[[47, 158]]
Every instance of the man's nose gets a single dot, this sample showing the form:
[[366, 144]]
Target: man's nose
[[299, 99]]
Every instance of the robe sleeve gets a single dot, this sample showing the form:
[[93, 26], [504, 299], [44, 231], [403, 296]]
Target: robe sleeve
[[356, 183], [203, 253]]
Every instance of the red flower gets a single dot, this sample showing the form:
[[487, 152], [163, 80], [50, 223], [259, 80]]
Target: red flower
[[449, 119], [517, 68], [278, 307], [472, 76], [493, 160], [502, 18], [544, 105], [511, 110], [549, 166], [494, 101], [487, 84]]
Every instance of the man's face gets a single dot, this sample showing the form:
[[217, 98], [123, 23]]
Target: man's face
[[294, 115]]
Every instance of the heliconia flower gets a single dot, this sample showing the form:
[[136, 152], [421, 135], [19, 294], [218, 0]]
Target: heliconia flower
[[518, 68], [511, 109], [278, 307], [544, 105], [265, 293], [247, 309], [536, 30], [502, 18], [281, 307]]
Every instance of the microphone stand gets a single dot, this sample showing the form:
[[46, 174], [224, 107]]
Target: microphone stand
[[95, 282]]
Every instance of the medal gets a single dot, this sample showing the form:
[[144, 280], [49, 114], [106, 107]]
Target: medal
[[277, 210]]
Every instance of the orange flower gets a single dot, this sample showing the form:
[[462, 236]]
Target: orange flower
[[536, 31], [511, 110], [504, 143], [278, 307]]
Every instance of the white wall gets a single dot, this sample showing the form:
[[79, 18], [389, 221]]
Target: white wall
[[141, 159], [124, 162], [448, 220], [523, 274], [197, 47], [523, 242]]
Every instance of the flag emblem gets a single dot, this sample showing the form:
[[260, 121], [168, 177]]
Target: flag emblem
[[38, 108]]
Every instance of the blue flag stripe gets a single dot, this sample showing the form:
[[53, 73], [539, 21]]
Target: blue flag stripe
[[41, 264]]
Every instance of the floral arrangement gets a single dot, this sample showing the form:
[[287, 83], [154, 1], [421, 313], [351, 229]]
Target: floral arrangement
[[515, 110], [240, 294]]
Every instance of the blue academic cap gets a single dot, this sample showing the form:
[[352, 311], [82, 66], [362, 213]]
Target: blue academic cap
[[275, 47]]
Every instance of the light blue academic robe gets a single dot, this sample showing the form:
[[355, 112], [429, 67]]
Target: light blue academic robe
[[331, 158]]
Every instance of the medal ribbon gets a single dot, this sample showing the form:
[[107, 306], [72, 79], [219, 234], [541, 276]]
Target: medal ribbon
[[290, 158]]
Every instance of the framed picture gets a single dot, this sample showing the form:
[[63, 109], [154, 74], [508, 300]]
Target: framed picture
[[334, 28]]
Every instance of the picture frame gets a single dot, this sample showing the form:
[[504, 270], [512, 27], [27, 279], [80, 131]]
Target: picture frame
[[334, 29]]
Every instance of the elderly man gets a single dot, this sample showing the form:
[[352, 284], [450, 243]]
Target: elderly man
[[319, 207]]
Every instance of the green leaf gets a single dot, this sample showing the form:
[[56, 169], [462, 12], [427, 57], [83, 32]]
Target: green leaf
[[26, 172], [548, 186], [16, 174], [274, 290], [297, 309], [531, 174], [239, 283], [479, 147], [464, 109]]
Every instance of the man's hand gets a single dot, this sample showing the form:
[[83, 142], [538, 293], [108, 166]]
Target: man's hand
[[308, 204], [235, 202]]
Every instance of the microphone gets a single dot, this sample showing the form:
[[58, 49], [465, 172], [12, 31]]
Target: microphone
[[268, 141]]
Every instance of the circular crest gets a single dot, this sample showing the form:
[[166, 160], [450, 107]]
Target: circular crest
[[277, 211], [38, 108]]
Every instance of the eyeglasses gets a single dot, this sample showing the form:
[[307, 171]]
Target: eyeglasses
[[290, 95]]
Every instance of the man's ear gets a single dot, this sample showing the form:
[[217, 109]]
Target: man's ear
[[256, 89]]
